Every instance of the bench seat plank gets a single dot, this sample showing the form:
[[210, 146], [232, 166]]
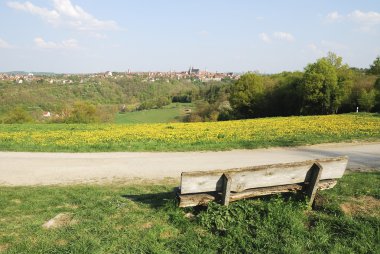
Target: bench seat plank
[[261, 176], [188, 200]]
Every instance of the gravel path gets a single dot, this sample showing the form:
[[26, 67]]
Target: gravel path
[[20, 168]]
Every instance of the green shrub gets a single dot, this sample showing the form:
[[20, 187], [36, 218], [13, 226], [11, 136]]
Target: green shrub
[[17, 115], [83, 112]]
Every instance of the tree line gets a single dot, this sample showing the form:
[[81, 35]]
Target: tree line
[[326, 86]]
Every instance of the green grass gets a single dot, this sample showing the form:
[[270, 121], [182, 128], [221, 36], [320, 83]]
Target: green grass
[[170, 113], [144, 218]]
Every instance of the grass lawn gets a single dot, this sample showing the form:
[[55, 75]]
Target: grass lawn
[[242, 134], [144, 218], [167, 114]]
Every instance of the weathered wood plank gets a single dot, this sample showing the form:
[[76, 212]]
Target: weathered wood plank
[[260, 176], [200, 199], [227, 181], [315, 175], [188, 200]]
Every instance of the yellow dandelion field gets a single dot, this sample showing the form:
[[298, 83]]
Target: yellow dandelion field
[[264, 132]]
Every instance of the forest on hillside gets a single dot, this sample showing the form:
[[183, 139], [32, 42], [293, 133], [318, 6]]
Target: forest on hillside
[[327, 86]]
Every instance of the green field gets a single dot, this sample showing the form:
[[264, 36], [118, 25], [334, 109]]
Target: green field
[[144, 218], [170, 113]]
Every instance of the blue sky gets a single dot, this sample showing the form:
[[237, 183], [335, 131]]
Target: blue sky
[[161, 35]]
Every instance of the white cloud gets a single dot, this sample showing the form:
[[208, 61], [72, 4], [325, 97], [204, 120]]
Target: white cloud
[[365, 20], [66, 44], [279, 36], [67, 14], [283, 36], [265, 38], [50, 16], [98, 35], [334, 16], [4, 44]]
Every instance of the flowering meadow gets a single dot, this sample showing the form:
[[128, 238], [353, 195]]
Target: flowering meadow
[[253, 133]]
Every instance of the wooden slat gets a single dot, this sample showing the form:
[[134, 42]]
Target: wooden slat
[[260, 176], [187, 200], [315, 175], [227, 181]]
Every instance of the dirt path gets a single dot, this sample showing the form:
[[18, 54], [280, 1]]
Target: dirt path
[[63, 168]]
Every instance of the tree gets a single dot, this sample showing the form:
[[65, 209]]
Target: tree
[[377, 95], [320, 88], [375, 67], [366, 100], [345, 80], [247, 95], [334, 60], [285, 98]]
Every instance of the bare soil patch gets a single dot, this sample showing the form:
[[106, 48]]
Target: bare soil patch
[[3, 247], [60, 220], [362, 205], [147, 225]]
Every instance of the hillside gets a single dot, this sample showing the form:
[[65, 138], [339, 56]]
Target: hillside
[[48, 96]]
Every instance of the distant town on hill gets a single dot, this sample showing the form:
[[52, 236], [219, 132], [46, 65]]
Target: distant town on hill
[[191, 73]]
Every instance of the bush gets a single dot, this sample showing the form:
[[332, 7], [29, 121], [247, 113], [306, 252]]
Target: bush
[[193, 118], [182, 98], [155, 103], [204, 112], [83, 112], [17, 115]]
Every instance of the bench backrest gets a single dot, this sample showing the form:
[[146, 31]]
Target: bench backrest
[[261, 176]]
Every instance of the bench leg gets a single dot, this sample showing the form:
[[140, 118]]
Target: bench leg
[[311, 189], [227, 180]]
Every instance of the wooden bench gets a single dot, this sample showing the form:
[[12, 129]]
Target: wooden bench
[[201, 187]]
